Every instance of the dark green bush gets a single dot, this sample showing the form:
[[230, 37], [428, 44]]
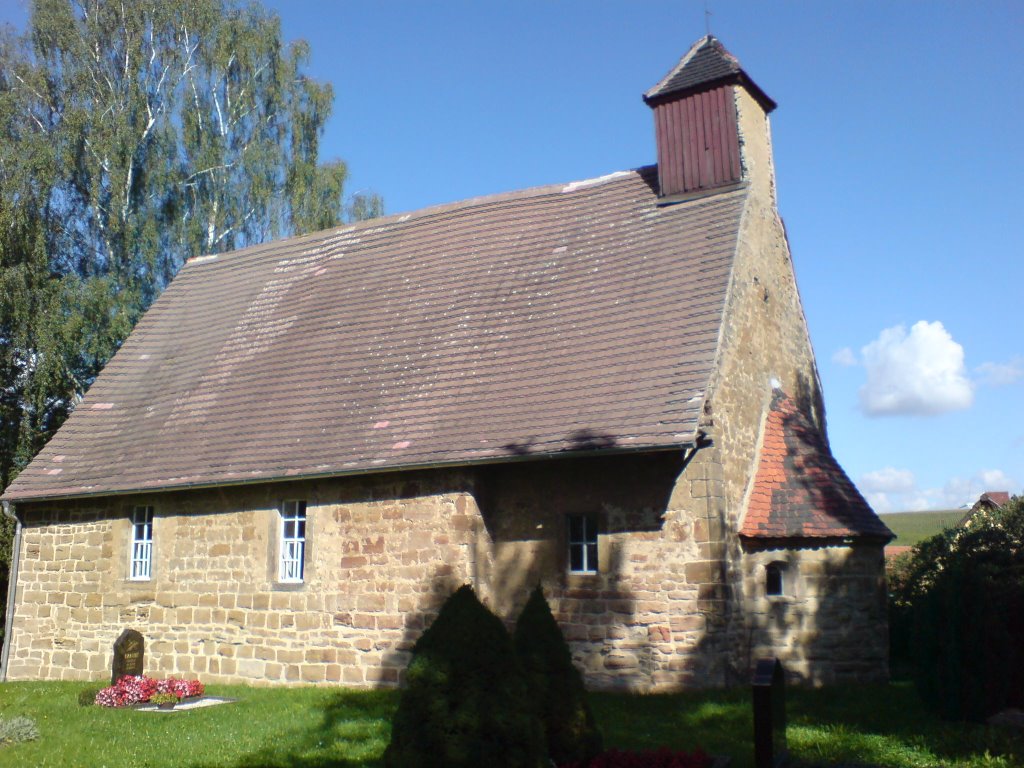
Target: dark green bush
[[556, 685], [959, 608], [466, 702], [87, 696]]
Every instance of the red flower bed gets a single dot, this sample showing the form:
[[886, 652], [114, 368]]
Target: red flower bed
[[651, 758], [181, 688], [138, 689]]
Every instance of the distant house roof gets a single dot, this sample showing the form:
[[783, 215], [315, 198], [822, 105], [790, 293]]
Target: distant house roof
[[799, 490], [987, 502], [995, 498], [895, 550], [706, 63], [550, 321]]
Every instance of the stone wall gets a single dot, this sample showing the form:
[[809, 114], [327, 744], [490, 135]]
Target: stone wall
[[764, 332], [650, 618], [382, 555], [383, 552], [765, 343], [829, 624]]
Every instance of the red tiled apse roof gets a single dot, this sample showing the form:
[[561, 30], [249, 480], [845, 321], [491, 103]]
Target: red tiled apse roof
[[800, 491]]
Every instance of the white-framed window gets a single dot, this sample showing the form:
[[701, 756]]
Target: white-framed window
[[582, 544], [293, 542], [141, 565]]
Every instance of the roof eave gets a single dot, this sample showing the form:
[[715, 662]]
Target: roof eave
[[767, 103], [412, 467], [820, 539]]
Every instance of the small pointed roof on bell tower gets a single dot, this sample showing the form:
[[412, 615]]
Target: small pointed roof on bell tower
[[706, 65]]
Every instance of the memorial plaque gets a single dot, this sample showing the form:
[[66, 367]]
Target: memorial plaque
[[129, 651]]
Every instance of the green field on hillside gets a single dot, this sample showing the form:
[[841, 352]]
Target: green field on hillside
[[912, 527]]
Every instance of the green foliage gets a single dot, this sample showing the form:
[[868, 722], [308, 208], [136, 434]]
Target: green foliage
[[556, 685], [17, 729], [365, 206], [6, 551], [958, 615], [87, 696], [466, 701], [134, 136]]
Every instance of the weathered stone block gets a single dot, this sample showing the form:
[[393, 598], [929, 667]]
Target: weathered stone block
[[382, 675], [703, 572]]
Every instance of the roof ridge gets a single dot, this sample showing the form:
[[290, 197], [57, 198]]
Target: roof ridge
[[686, 58], [697, 47], [431, 210], [708, 63]]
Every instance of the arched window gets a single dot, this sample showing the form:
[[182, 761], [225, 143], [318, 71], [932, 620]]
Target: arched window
[[774, 579]]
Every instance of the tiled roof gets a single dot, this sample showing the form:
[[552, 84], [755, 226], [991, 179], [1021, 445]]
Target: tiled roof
[[706, 62], [997, 498], [895, 550], [800, 491], [989, 501], [556, 320]]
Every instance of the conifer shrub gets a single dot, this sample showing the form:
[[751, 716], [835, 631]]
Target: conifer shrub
[[466, 702], [87, 696], [556, 685], [960, 601]]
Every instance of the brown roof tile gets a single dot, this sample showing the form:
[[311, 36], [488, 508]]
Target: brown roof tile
[[555, 320], [800, 491], [895, 550], [706, 64], [996, 498]]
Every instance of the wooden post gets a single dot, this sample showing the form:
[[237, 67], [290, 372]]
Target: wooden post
[[769, 714]]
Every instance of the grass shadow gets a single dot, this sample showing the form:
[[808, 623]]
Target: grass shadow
[[881, 725], [889, 725], [717, 721], [350, 730]]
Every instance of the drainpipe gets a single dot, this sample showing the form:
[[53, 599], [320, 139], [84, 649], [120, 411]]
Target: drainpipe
[[12, 588]]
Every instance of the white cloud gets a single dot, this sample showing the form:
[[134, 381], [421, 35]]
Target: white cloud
[[1001, 374], [887, 490], [961, 491], [845, 357], [880, 502], [997, 480], [917, 501], [917, 373], [888, 480]]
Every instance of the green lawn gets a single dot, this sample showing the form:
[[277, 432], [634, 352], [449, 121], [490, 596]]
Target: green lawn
[[305, 727], [912, 527]]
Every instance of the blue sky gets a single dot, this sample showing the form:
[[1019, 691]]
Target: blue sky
[[900, 176]]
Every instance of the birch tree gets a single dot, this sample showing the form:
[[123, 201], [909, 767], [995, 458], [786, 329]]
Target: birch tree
[[137, 134]]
